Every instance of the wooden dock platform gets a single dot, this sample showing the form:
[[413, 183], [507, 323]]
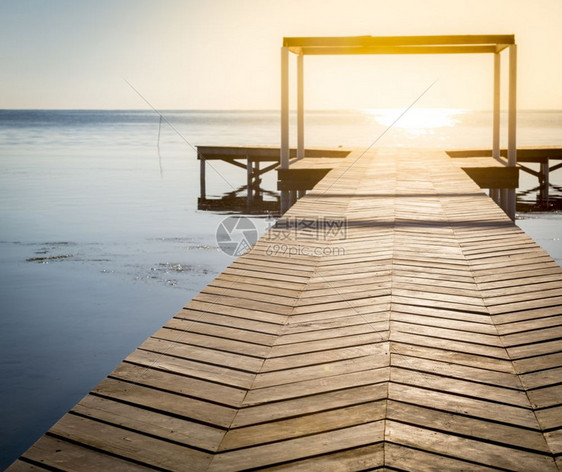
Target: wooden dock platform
[[423, 333]]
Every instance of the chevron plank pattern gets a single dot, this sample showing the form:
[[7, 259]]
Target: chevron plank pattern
[[423, 335]]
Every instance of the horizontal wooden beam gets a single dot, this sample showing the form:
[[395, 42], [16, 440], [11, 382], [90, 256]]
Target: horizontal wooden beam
[[376, 41], [261, 153], [299, 179], [317, 51], [524, 154], [494, 177]]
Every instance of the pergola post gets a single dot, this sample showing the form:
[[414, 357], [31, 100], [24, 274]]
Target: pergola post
[[284, 157], [300, 106], [496, 119], [512, 124]]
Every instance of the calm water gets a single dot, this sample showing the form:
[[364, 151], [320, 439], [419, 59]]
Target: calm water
[[101, 241]]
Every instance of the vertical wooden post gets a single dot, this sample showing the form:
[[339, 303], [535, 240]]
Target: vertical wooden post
[[257, 180], [202, 182], [249, 183], [544, 181], [284, 157], [512, 125], [496, 118], [300, 106]]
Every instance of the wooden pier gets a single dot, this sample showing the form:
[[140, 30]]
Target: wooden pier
[[394, 319]]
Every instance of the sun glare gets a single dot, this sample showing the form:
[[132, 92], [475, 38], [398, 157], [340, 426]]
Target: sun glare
[[416, 120]]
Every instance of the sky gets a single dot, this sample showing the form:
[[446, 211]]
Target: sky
[[225, 54]]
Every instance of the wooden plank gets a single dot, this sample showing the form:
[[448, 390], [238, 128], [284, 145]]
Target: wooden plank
[[443, 383], [227, 332], [450, 345], [328, 383], [127, 444], [58, 454], [479, 452], [146, 421], [213, 373], [448, 369], [22, 466], [294, 408], [406, 458], [212, 342], [324, 357], [299, 374], [481, 430], [221, 320], [171, 382], [292, 449], [303, 425], [359, 458], [201, 354], [167, 403], [486, 410]]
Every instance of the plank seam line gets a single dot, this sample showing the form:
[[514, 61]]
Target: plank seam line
[[451, 362], [443, 308], [198, 320], [409, 343], [515, 359], [436, 336], [209, 335], [181, 374], [462, 415], [225, 325], [441, 326], [456, 458], [312, 413], [40, 465], [435, 374], [539, 341], [314, 456], [301, 436], [139, 431], [473, 438], [107, 453], [156, 410], [175, 356], [175, 392], [202, 346], [320, 379]]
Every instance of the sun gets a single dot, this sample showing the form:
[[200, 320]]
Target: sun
[[416, 120]]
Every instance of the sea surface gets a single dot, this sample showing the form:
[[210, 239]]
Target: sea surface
[[101, 241]]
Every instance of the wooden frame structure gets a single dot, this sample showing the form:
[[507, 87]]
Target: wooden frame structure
[[455, 44]]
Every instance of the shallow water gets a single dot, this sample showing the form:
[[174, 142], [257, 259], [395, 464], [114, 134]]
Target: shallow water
[[101, 241]]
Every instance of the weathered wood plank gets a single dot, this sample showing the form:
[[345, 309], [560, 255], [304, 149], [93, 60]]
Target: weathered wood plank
[[63, 455], [164, 402], [128, 444], [467, 449], [299, 448]]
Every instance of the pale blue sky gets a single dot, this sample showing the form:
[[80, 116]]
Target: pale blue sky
[[224, 54]]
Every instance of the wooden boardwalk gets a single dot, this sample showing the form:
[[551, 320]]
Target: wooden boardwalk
[[427, 337]]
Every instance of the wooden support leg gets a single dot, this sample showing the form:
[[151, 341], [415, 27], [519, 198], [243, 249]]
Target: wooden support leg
[[257, 180], [544, 181], [495, 195], [249, 184], [202, 181]]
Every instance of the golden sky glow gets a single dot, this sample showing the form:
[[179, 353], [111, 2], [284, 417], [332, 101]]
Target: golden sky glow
[[224, 54]]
